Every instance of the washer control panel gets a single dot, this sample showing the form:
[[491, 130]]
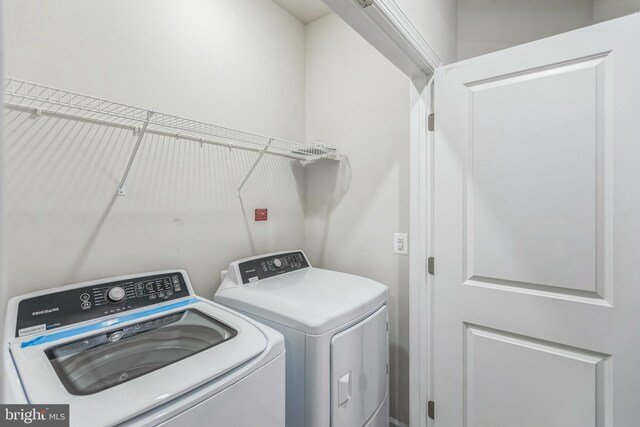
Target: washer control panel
[[50, 311], [269, 266]]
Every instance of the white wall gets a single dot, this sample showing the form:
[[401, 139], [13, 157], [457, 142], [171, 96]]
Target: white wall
[[436, 21], [359, 101], [603, 10], [489, 25], [236, 63]]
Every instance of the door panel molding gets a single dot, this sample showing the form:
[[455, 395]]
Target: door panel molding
[[554, 371], [540, 154], [589, 61], [582, 297]]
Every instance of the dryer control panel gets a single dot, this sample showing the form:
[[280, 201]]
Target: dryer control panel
[[63, 308], [273, 265]]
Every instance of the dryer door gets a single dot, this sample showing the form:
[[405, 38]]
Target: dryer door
[[359, 374]]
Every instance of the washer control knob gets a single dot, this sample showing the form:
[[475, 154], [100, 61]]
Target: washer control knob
[[277, 262], [115, 294]]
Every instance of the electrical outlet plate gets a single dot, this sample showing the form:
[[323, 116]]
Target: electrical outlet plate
[[400, 243]]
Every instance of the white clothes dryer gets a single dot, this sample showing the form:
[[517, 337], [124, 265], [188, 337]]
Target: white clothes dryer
[[336, 333], [143, 350]]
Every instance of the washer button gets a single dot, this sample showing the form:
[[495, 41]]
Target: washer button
[[116, 336], [115, 294]]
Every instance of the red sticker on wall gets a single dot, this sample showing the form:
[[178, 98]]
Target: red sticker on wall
[[261, 214]]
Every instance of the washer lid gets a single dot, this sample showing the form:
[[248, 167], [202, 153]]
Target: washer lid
[[190, 343], [311, 300]]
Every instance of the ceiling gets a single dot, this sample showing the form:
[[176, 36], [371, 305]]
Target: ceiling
[[305, 10]]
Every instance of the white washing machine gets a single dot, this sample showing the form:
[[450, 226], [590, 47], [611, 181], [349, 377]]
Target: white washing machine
[[143, 350], [336, 332]]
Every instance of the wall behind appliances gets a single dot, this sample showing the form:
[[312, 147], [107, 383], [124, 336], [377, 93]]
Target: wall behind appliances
[[235, 63], [359, 101], [488, 25]]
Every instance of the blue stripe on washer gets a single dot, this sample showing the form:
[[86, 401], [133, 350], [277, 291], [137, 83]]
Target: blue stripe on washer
[[77, 331]]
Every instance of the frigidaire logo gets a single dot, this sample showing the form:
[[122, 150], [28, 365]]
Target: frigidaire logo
[[35, 415], [47, 311]]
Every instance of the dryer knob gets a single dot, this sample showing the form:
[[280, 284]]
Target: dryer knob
[[277, 262], [115, 294]]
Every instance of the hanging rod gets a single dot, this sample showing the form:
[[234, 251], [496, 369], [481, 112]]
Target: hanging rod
[[42, 99]]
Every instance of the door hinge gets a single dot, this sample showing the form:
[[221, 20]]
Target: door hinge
[[365, 3], [431, 265], [431, 410], [431, 122]]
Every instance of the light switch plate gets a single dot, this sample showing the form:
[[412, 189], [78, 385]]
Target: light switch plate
[[400, 243]]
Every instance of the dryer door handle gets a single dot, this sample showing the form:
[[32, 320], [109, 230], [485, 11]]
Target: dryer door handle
[[344, 389]]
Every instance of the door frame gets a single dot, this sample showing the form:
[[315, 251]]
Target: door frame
[[421, 284], [383, 24]]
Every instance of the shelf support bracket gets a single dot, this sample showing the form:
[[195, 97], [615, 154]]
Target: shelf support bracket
[[140, 133], [262, 153]]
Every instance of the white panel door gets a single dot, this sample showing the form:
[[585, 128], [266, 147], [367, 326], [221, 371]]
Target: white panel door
[[537, 233]]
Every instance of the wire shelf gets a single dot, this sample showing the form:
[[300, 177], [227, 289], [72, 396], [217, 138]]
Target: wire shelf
[[41, 99]]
